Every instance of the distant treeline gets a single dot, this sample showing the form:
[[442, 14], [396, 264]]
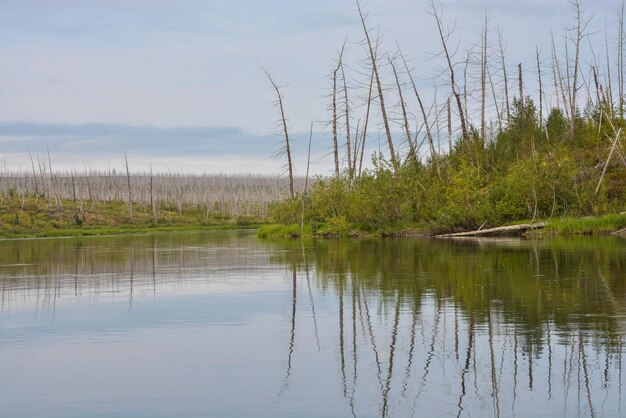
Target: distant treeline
[[153, 193], [489, 149]]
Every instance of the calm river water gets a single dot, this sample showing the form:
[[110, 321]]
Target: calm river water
[[221, 324]]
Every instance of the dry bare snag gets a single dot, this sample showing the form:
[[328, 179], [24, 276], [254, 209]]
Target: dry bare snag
[[506, 81], [130, 192], [365, 124], [579, 35], [483, 80], [405, 119], [455, 91], [334, 110], [283, 129], [421, 106], [346, 109], [520, 84], [381, 99], [540, 90]]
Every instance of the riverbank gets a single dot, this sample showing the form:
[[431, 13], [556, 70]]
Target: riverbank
[[32, 218], [566, 226]]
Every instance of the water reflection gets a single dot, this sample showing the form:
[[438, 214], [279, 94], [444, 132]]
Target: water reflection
[[343, 328], [530, 327]]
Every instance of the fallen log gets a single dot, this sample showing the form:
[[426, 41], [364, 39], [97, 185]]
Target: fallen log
[[511, 230], [621, 232]]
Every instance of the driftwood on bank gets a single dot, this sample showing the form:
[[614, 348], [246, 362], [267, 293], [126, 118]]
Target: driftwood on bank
[[501, 230]]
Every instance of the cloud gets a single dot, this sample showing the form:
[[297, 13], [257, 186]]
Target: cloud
[[191, 148]]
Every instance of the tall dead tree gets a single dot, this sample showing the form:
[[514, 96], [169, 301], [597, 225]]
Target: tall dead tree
[[283, 129], [540, 90], [429, 136], [520, 83], [620, 67], [559, 78], [449, 114], [405, 119], [334, 111], [381, 98], [455, 91], [609, 83], [346, 109], [365, 124], [130, 191], [504, 74], [483, 80], [579, 35]]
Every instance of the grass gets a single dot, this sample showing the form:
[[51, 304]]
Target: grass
[[274, 231], [33, 217], [589, 225], [566, 226]]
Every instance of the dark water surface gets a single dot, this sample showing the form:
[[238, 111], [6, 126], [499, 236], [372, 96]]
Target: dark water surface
[[220, 324]]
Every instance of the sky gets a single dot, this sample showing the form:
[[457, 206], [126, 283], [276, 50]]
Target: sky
[[178, 84]]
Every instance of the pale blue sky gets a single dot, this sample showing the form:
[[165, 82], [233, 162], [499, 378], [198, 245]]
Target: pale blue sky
[[194, 64]]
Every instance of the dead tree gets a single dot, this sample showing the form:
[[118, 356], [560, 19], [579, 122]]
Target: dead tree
[[365, 124], [506, 82], [580, 29], [620, 67], [405, 118], [559, 78], [283, 129], [520, 84], [346, 109], [130, 192], [334, 110], [540, 90], [381, 98], [483, 81], [421, 106], [443, 37]]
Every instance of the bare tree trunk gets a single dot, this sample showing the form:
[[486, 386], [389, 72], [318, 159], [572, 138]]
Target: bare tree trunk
[[334, 121], [152, 208], [347, 116], [608, 160], [495, 99], [580, 28], [453, 85], [557, 66], [421, 105], [54, 184], [483, 82], [381, 98], [306, 180], [35, 186], [540, 91], [367, 117], [355, 150], [130, 193], [506, 82], [609, 93], [405, 118], [448, 107], [520, 84], [620, 68], [285, 132]]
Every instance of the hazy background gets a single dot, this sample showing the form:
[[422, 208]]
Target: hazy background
[[177, 84]]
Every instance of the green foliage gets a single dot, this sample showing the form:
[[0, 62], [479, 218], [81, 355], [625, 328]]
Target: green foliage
[[34, 217], [530, 169]]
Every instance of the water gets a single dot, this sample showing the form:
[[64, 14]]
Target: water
[[220, 324]]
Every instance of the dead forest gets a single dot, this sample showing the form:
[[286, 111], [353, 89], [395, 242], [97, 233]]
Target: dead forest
[[491, 141]]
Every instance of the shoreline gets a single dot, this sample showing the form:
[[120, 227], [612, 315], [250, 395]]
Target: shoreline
[[606, 225]]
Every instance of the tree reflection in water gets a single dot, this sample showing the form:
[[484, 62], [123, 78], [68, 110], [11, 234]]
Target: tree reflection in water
[[546, 313], [415, 327]]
